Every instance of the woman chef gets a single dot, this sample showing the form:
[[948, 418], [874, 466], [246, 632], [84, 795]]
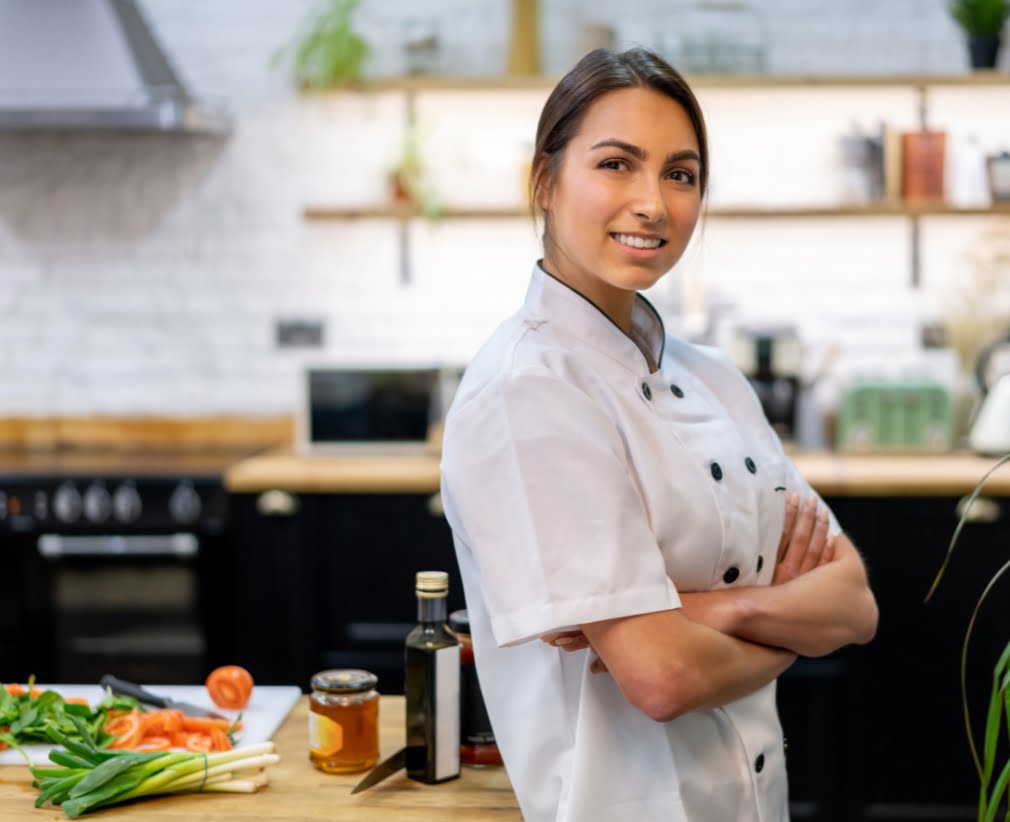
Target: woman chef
[[618, 491]]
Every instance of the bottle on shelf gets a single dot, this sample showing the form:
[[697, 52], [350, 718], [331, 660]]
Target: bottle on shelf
[[432, 685]]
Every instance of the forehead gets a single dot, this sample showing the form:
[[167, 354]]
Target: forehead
[[641, 116]]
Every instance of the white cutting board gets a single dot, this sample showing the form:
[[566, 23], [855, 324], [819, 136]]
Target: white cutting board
[[267, 708]]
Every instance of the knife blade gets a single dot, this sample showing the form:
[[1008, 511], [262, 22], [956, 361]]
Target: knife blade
[[387, 767], [121, 686]]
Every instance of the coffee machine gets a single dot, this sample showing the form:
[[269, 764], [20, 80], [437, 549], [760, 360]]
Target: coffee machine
[[770, 357]]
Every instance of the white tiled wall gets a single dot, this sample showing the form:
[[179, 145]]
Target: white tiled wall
[[145, 274]]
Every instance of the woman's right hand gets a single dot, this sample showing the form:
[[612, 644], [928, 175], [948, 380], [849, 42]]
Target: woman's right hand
[[805, 544]]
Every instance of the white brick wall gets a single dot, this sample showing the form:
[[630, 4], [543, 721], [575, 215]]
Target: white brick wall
[[145, 274]]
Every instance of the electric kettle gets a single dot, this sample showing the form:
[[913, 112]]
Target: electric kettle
[[990, 431]]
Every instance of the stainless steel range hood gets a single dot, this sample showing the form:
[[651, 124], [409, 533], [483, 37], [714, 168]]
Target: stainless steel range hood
[[92, 64]]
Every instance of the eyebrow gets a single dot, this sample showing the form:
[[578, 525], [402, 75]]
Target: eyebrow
[[640, 154]]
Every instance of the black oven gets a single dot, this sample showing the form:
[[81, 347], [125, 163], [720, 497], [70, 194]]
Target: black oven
[[119, 566]]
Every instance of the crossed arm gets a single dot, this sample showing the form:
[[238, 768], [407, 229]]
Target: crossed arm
[[722, 645]]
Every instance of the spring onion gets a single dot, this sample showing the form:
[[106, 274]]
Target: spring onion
[[94, 777]]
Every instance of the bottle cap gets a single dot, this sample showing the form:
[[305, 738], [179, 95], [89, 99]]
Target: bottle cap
[[347, 681], [432, 583], [459, 621]]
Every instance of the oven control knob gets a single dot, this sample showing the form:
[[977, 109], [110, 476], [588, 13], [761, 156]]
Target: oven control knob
[[67, 503], [97, 503], [126, 505], [184, 504]]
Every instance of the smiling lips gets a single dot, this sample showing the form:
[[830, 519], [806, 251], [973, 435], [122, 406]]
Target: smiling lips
[[637, 242]]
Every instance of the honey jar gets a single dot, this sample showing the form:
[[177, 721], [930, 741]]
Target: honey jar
[[344, 721]]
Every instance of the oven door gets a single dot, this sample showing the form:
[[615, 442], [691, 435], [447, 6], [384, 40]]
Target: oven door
[[124, 604]]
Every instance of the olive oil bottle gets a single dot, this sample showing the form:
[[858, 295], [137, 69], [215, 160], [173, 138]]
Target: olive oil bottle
[[432, 686]]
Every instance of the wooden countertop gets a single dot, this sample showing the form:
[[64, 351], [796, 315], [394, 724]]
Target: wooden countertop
[[298, 791], [832, 474]]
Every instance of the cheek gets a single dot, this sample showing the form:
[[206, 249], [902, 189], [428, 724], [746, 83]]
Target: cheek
[[684, 215]]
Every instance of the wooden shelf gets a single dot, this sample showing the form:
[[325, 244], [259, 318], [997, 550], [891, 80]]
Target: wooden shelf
[[771, 81], [729, 212], [408, 212]]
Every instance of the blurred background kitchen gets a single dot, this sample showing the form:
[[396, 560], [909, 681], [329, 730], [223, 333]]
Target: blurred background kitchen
[[192, 236]]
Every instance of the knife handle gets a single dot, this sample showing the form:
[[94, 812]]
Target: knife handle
[[121, 686]]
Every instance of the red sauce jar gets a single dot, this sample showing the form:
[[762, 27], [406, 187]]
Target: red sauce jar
[[477, 746]]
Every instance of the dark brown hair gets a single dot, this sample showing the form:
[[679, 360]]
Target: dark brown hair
[[599, 72]]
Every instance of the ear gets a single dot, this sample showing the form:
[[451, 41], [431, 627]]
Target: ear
[[543, 193]]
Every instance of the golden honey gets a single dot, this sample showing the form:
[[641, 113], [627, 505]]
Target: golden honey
[[344, 721]]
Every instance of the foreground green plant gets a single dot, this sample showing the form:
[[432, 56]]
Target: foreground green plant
[[999, 698], [91, 777]]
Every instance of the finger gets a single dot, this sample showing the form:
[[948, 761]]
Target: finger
[[829, 551], [556, 637], [815, 548], [567, 641], [796, 550], [792, 504]]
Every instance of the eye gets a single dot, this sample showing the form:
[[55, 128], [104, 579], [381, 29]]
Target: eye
[[614, 164], [682, 175]]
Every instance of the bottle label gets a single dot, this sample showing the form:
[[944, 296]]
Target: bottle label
[[447, 712], [326, 737]]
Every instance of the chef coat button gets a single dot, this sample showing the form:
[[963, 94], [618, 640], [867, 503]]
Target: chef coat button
[[761, 563], [677, 391], [750, 465], [731, 575], [646, 390], [759, 763], [716, 472]]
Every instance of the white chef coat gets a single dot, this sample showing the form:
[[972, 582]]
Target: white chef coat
[[581, 487]]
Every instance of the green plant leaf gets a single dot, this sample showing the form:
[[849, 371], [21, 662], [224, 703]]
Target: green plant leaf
[[964, 671], [960, 524]]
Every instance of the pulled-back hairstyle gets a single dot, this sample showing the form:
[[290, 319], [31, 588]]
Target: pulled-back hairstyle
[[599, 72]]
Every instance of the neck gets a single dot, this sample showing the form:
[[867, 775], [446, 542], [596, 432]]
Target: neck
[[431, 610], [616, 303]]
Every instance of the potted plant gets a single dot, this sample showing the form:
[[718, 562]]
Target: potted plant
[[982, 21], [993, 768], [329, 53], [408, 183]]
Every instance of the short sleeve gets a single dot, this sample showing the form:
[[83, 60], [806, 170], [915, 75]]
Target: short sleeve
[[537, 489]]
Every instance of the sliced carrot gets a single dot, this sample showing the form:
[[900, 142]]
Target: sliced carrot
[[3, 730], [77, 700], [127, 730], [199, 743], [219, 740], [164, 722], [152, 743], [14, 689], [204, 724], [230, 686]]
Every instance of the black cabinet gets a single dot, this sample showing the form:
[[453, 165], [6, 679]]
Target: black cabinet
[[330, 582], [873, 732], [877, 732]]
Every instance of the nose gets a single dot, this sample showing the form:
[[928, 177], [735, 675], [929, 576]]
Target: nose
[[647, 200]]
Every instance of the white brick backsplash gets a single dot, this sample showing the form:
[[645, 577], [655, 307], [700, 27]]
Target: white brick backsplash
[[145, 274]]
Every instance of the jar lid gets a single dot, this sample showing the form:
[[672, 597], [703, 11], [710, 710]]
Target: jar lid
[[459, 621], [346, 681]]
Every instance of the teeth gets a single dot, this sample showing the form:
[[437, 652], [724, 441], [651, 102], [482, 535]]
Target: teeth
[[637, 242]]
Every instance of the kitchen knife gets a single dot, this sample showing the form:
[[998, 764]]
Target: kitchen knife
[[121, 686], [385, 768]]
